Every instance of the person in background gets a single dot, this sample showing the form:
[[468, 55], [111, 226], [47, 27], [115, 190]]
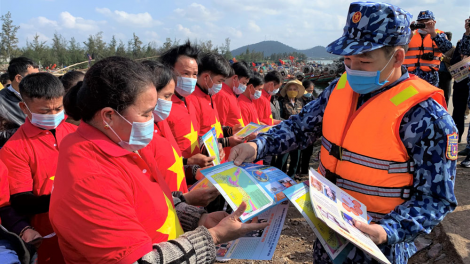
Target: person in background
[[426, 48], [31, 156], [69, 80], [272, 82], [11, 116], [359, 116], [306, 154], [4, 80], [246, 99], [445, 79], [309, 94], [183, 60], [292, 92], [135, 218], [169, 159]]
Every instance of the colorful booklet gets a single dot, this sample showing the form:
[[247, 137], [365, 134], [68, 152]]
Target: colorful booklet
[[340, 211], [252, 128], [335, 245], [209, 141], [259, 186], [461, 70], [258, 244]]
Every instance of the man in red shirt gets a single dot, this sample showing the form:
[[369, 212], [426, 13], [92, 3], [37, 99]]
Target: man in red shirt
[[31, 156], [245, 100], [226, 101], [272, 82], [213, 69], [184, 60]]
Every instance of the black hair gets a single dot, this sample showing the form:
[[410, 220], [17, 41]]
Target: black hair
[[170, 56], [41, 85], [111, 82], [163, 74], [214, 63], [449, 35], [242, 69], [273, 76], [4, 78], [71, 78], [19, 66], [307, 83], [256, 80]]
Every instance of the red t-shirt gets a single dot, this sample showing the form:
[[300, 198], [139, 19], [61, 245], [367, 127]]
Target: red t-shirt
[[227, 107], [4, 189], [31, 158], [206, 113], [168, 158], [185, 127], [249, 113], [263, 107], [106, 206]]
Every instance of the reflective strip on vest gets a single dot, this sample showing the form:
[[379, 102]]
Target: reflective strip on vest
[[390, 166], [419, 48], [389, 192], [416, 56]]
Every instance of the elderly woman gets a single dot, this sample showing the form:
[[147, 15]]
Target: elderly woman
[[110, 204]]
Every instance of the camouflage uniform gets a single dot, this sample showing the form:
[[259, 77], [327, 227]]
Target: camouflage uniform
[[423, 131], [442, 43]]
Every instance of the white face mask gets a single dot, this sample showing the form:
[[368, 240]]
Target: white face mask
[[47, 122], [422, 31]]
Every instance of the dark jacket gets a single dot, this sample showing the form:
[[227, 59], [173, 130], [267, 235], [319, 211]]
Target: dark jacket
[[290, 109], [11, 116], [276, 108]]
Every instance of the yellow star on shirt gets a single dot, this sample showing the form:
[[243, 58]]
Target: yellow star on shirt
[[177, 168], [52, 178], [172, 226], [192, 137], [218, 128], [241, 122]]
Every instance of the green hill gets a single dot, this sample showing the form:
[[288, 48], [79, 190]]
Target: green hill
[[270, 47]]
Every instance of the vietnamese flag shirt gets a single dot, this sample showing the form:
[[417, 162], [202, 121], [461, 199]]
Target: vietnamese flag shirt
[[248, 109], [107, 205], [263, 107], [31, 158], [184, 126], [206, 113], [226, 103], [169, 159]]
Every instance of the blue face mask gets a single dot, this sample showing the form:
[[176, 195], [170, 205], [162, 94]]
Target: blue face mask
[[255, 96], [162, 110], [141, 134], [239, 89], [308, 95], [364, 82], [47, 122], [215, 87], [185, 86], [274, 92]]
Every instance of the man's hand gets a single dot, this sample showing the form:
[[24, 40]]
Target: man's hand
[[201, 160], [230, 228], [235, 140], [431, 28], [221, 151], [33, 237], [212, 219], [376, 232], [252, 136], [201, 197], [243, 153], [236, 128]]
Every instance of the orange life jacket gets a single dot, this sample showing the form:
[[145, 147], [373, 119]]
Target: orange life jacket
[[361, 149], [417, 47]]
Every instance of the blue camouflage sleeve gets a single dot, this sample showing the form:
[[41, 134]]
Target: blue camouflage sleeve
[[441, 42], [299, 131], [424, 130], [465, 45]]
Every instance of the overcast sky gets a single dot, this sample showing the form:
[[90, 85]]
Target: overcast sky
[[298, 23]]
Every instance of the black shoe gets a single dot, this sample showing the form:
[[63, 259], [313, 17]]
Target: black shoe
[[464, 152], [466, 162]]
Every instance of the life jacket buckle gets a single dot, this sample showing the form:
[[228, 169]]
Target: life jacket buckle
[[336, 151]]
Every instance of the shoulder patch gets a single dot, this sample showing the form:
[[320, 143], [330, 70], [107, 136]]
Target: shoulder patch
[[452, 146]]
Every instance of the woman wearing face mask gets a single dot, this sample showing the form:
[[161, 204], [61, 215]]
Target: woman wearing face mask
[[107, 205], [169, 158]]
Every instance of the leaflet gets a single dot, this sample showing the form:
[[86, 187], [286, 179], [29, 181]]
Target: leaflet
[[209, 140], [461, 70], [259, 244], [339, 211], [201, 184], [252, 128], [335, 245], [259, 186]]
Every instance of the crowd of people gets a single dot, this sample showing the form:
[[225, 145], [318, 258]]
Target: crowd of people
[[95, 167]]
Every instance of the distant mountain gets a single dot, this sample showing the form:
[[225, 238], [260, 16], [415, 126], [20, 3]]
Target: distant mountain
[[270, 47]]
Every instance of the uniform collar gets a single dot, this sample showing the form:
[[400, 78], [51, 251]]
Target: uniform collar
[[11, 89], [244, 98], [228, 89], [404, 75], [266, 94], [101, 140], [202, 90], [175, 99], [31, 130]]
